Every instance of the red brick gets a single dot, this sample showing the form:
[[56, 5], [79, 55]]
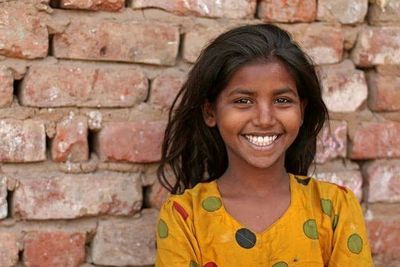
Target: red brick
[[6, 87], [332, 141], [235, 9], [287, 11], [377, 45], [22, 141], [70, 142], [3, 201], [386, 12], [23, 33], [126, 241], [197, 38], [370, 140], [383, 181], [107, 5], [342, 11], [165, 87], [96, 39], [130, 141], [383, 224], [380, 261], [384, 93], [322, 42], [344, 88], [83, 86], [351, 179], [54, 249], [67, 196], [8, 249]]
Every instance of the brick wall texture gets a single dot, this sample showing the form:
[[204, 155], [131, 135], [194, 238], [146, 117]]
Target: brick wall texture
[[84, 90]]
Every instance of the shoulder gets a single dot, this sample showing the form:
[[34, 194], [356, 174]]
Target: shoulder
[[327, 192], [190, 200]]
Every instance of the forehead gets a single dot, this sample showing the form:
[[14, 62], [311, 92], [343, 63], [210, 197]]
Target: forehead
[[273, 75]]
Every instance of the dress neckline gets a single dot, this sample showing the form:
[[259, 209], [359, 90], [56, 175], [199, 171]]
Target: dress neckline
[[285, 216]]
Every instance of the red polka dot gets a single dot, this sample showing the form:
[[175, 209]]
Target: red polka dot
[[343, 188], [181, 210], [210, 264]]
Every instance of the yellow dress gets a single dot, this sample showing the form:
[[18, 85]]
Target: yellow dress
[[323, 226]]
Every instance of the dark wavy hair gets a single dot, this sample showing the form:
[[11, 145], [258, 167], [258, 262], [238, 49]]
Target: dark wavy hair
[[195, 152]]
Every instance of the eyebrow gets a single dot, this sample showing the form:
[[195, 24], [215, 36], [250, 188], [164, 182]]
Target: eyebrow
[[278, 91]]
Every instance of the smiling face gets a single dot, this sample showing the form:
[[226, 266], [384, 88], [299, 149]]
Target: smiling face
[[258, 115]]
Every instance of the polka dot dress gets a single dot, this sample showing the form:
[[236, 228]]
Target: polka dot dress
[[194, 229]]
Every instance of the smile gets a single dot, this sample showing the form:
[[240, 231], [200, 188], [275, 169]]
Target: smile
[[261, 141]]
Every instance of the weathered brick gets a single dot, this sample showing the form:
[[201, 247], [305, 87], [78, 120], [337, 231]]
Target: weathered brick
[[107, 5], [6, 87], [130, 141], [66, 196], [122, 242], [344, 88], [370, 140], [155, 195], [165, 87], [322, 42], [22, 141], [70, 142], [287, 11], [3, 200], [83, 86], [383, 180], [235, 9], [384, 93], [384, 12], [54, 249], [343, 11], [97, 39], [332, 141], [8, 249], [23, 33], [383, 224], [197, 38], [351, 179], [377, 45]]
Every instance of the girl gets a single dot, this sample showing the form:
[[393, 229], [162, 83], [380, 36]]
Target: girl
[[240, 143]]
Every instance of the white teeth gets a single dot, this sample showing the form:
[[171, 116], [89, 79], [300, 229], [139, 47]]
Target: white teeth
[[261, 140]]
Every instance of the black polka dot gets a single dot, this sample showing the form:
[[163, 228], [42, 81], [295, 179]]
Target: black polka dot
[[245, 238], [303, 181]]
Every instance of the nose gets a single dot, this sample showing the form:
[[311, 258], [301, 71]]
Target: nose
[[265, 116]]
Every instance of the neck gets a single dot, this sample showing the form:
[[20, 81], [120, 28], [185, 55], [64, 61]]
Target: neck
[[257, 180]]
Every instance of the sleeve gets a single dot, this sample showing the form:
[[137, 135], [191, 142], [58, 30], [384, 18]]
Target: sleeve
[[350, 240], [176, 243]]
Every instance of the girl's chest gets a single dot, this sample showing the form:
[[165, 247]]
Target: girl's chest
[[293, 240]]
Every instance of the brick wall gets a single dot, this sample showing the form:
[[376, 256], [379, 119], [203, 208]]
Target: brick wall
[[84, 86]]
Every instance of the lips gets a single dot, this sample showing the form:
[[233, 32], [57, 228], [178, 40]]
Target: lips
[[261, 140]]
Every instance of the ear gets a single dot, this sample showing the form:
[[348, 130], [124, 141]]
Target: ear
[[303, 106], [209, 114]]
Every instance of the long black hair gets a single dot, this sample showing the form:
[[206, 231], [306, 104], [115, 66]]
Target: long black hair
[[194, 152]]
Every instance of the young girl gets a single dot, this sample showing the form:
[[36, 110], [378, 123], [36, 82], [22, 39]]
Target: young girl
[[240, 143]]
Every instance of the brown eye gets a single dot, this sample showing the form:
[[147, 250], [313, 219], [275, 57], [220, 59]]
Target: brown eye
[[282, 100], [243, 101]]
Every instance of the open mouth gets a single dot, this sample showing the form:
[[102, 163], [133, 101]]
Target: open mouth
[[261, 141]]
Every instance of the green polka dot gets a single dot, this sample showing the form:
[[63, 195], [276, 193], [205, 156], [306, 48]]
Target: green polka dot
[[193, 264], [326, 205], [335, 222], [280, 264], [310, 229], [355, 243], [211, 204], [162, 229]]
